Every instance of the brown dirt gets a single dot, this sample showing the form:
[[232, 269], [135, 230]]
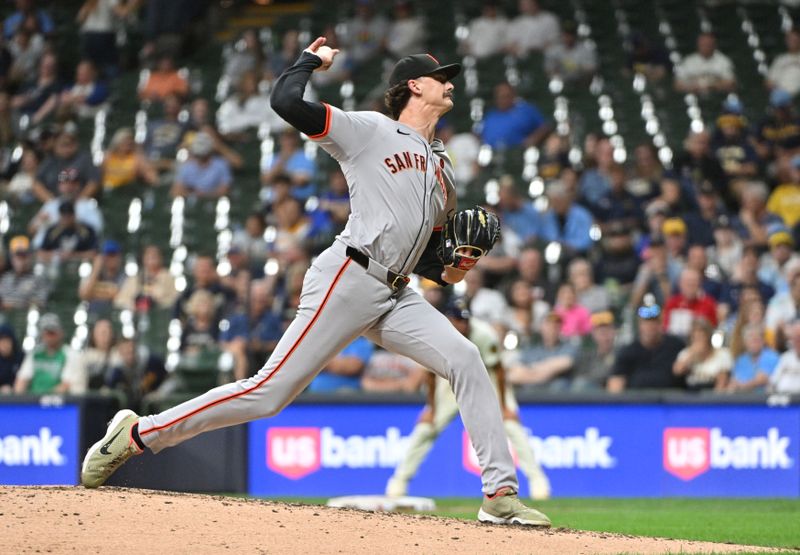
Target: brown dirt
[[129, 521]]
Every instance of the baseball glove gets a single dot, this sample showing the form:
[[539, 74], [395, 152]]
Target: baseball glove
[[467, 236]]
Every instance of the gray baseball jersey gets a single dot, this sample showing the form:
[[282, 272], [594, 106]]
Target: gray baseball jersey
[[401, 187]]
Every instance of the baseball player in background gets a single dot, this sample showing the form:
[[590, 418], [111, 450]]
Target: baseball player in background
[[403, 221], [442, 408]]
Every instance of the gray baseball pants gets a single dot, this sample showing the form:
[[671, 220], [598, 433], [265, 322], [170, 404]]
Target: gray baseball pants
[[339, 302]]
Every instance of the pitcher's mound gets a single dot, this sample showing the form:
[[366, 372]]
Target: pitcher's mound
[[120, 520]]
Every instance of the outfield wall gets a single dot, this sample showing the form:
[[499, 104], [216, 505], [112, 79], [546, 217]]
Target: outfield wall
[[652, 446]]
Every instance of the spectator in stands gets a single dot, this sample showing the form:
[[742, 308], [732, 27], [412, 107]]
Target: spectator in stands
[[125, 164], [774, 264], [26, 9], [534, 29], [617, 204], [674, 232], [246, 109], [201, 330], [517, 213], [25, 51], [648, 173], [751, 311], [487, 33], [365, 33], [543, 366], [646, 362], [484, 303], [700, 223], [164, 135], [151, 287], [687, 304], [51, 367], [647, 58], [595, 361], [697, 164], [200, 121], [784, 73], [590, 295], [100, 358], [247, 57], [702, 365], [87, 95], [406, 34], [619, 262], [529, 268], [205, 278], [67, 155], [293, 230], [654, 275], [783, 309], [525, 312], [334, 204], [251, 240], [463, 147], [344, 371], [513, 122], [784, 201], [98, 20], [292, 160], [732, 145], [388, 372], [553, 157], [754, 367], [139, 371], [727, 249], [11, 356], [745, 275], [572, 60], [105, 281], [697, 258], [165, 80], [565, 222], [576, 320], [34, 93], [69, 188], [20, 287], [707, 70], [286, 56], [753, 219], [204, 175], [670, 193], [68, 239], [786, 377], [595, 182], [778, 133], [251, 335], [240, 274]]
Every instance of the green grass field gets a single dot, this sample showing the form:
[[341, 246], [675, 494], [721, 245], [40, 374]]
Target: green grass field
[[765, 522]]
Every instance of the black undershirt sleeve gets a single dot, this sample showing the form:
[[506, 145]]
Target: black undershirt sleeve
[[287, 97], [429, 265]]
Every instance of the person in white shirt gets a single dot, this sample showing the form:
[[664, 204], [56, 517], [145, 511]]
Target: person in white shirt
[[783, 307], [533, 29], [487, 33], [244, 110], [463, 149], [707, 70], [784, 73], [703, 365], [406, 31], [786, 376], [489, 303]]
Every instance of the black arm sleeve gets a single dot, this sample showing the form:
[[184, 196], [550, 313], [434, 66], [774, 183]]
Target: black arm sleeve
[[287, 97], [429, 265]]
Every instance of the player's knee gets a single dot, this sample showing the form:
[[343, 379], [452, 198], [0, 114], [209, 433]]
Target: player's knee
[[467, 358]]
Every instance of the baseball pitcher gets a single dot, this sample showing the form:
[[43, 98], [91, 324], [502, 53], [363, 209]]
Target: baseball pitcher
[[403, 221], [442, 408]]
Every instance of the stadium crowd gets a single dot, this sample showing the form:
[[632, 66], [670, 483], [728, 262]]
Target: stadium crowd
[[618, 275]]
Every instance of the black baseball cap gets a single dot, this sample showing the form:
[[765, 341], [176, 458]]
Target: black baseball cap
[[457, 308], [418, 65]]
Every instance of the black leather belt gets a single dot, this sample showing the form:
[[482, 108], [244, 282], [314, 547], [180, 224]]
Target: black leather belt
[[394, 280]]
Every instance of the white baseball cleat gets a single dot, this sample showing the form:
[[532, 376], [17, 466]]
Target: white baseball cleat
[[107, 455]]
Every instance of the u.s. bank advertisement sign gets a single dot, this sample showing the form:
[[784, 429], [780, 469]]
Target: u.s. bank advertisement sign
[[38, 445], [591, 450]]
